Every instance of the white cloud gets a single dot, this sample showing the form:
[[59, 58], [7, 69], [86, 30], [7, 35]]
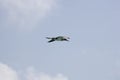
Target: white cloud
[[7, 73], [25, 13], [32, 75]]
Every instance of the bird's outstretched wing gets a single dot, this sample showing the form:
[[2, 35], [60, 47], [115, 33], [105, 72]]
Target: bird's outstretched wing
[[48, 37], [51, 40]]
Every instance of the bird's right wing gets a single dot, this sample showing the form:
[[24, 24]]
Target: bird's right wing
[[51, 40]]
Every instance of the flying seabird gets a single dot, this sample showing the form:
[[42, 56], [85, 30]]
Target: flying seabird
[[59, 38]]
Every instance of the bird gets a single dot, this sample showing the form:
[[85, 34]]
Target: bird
[[58, 38]]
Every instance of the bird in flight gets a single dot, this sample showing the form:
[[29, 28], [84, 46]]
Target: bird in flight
[[58, 38]]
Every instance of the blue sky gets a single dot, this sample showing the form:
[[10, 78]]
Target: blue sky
[[93, 52]]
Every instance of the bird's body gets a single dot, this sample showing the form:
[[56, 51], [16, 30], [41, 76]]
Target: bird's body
[[59, 38]]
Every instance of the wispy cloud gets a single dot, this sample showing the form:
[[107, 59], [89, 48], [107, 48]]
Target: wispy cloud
[[7, 73], [25, 13]]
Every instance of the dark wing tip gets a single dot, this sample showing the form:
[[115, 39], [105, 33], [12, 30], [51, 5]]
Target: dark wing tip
[[48, 38], [51, 40]]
